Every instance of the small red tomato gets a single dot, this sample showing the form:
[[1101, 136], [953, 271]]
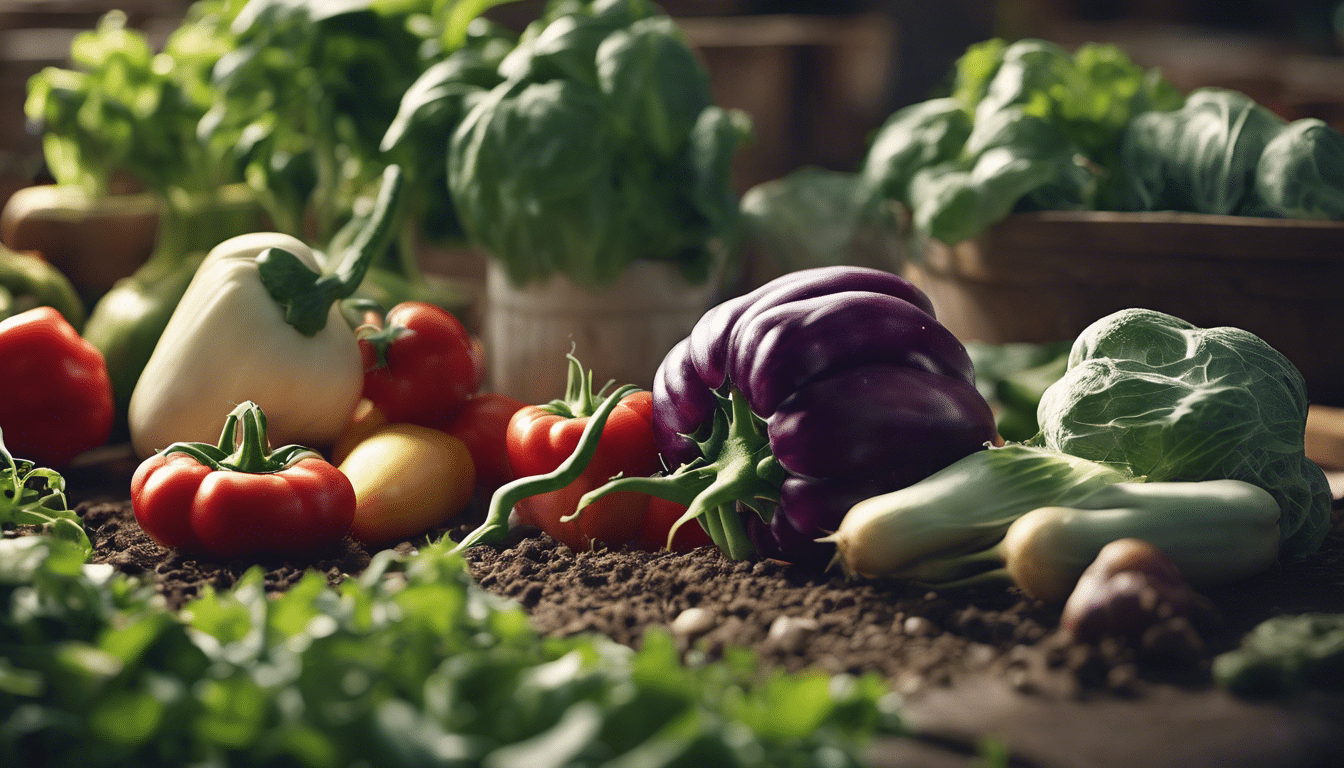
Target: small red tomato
[[482, 423], [421, 366], [540, 439]]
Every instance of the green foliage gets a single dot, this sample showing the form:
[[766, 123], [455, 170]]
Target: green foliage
[[32, 495], [1013, 377], [410, 664], [1300, 175], [121, 107], [1199, 158], [813, 217], [1286, 655], [600, 146], [302, 100], [1168, 401], [1028, 126]]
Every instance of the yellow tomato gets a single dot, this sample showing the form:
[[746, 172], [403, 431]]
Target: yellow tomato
[[366, 420], [407, 480]]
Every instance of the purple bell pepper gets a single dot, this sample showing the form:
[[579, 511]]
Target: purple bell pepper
[[789, 404]]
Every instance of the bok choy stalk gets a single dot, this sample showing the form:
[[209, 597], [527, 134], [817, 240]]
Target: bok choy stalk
[[1214, 531], [923, 531], [988, 518]]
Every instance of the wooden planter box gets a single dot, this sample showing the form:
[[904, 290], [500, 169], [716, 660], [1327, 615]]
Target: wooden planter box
[[1045, 276]]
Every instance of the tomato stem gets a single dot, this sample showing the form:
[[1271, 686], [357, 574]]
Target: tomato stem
[[496, 524], [250, 455]]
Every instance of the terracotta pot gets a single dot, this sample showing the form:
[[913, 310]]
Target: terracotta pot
[[93, 241], [1045, 276], [621, 332]]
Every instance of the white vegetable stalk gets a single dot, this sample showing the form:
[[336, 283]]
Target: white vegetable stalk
[[1215, 531], [965, 507], [1039, 518], [261, 322]]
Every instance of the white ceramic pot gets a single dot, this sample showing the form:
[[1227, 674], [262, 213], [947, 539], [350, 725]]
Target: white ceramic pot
[[621, 332]]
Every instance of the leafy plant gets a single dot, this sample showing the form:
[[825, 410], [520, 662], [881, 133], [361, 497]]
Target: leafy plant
[[429, 111], [121, 108], [302, 100], [1300, 175], [32, 495], [1165, 400], [600, 146], [813, 217], [1199, 158], [1285, 655], [1027, 126], [410, 664]]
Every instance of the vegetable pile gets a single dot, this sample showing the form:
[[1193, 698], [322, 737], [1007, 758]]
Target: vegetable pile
[[825, 416], [1168, 401], [1190, 439]]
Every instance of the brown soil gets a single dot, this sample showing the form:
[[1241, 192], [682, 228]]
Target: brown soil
[[918, 640]]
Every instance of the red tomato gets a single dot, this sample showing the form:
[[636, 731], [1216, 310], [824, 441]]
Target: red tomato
[[186, 505], [421, 366], [539, 440], [56, 397], [482, 423], [239, 498]]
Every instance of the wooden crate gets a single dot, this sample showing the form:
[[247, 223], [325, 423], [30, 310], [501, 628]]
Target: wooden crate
[[1045, 276]]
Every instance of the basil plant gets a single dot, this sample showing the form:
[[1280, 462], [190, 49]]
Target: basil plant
[[600, 146]]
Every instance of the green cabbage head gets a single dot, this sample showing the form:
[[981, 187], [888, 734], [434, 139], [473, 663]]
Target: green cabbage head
[[1165, 400]]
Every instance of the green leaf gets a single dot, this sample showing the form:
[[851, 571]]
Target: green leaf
[[655, 85], [460, 15], [1300, 174], [294, 286], [31, 495], [1201, 158], [128, 718], [235, 711]]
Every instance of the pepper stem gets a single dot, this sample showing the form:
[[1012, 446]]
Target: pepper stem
[[496, 523], [305, 295]]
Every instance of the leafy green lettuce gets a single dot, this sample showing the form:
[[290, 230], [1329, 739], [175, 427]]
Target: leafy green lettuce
[[1166, 400], [1199, 158], [1028, 126], [1300, 175]]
